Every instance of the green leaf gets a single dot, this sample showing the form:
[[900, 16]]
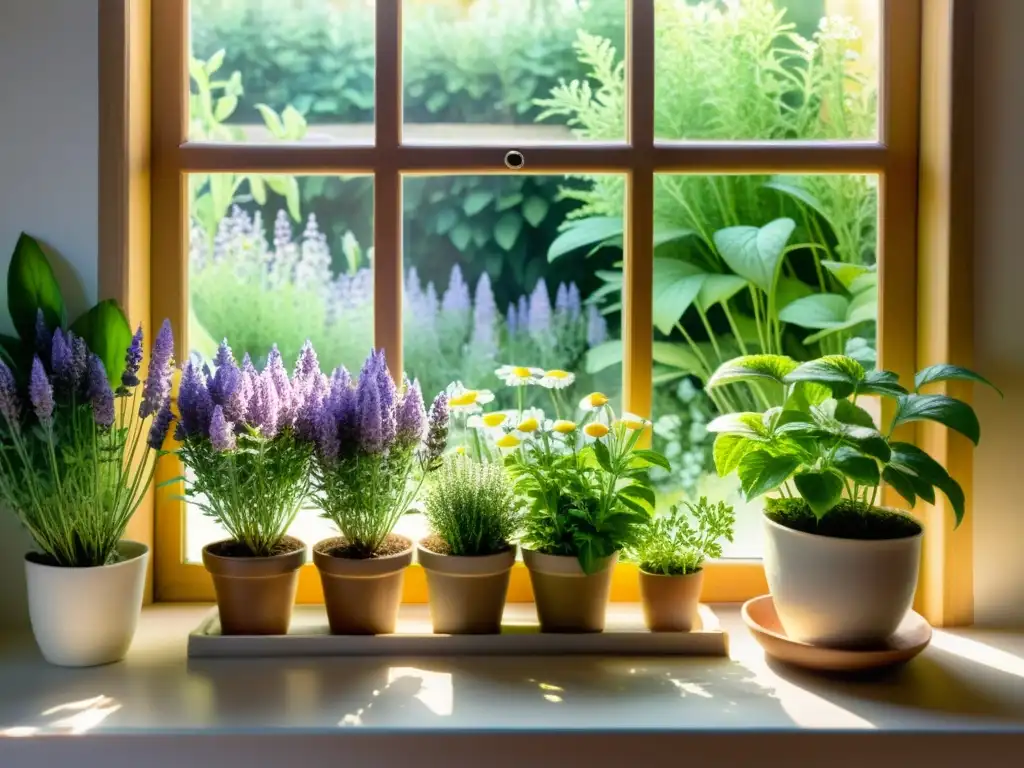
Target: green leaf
[[604, 356], [258, 189], [535, 210], [839, 373], [821, 490], [507, 230], [761, 472], [784, 185], [729, 450], [676, 355], [861, 469], [947, 372], [865, 440], [848, 413], [461, 235], [226, 106], [718, 289], [509, 201], [273, 122], [640, 493], [845, 272], [585, 232], [948, 411], [664, 233], [901, 482], [653, 458], [806, 395], [294, 123], [910, 458], [604, 458], [676, 285], [106, 332], [215, 62], [884, 383], [751, 368], [749, 424], [31, 286], [446, 219], [820, 310], [476, 201], [755, 253]]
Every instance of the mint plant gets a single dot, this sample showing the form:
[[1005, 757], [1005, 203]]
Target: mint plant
[[819, 445]]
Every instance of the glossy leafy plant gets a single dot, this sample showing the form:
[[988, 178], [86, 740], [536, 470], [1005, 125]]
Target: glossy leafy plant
[[818, 444]]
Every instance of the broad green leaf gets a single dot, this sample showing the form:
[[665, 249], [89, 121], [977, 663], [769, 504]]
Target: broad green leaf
[[718, 289], [535, 210], [664, 233], [947, 372], [753, 367], [863, 308], [948, 411], [476, 201], [729, 450], [507, 230], [848, 413], [31, 286], [790, 289], [861, 351], [106, 332], [273, 122], [844, 272], [820, 310], [786, 186], [294, 123], [860, 468], [676, 285], [865, 283], [509, 201], [837, 372], [910, 458], [755, 253], [603, 356], [901, 482], [676, 355], [653, 458], [215, 62], [821, 490], [258, 189], [885, 383], [761, 472], [640, 493], [461, 235], [585, 232], [604, 458], [866, 440], [446, 219], [749, 423], [805, 395], [226, 106]]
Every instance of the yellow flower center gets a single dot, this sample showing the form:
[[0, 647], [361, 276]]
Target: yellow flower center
[[493, 419], [461, 450], [634, 424], [509, 441], [528, 425], [564, 426], [597, 399], [558, 374], [596, 429], [522, 373], [466, 398]]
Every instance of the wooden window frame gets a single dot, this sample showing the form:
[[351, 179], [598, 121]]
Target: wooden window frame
[[919, 267]]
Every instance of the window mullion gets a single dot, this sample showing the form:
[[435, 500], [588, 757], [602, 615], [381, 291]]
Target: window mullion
[[387, 195], [639, 256]]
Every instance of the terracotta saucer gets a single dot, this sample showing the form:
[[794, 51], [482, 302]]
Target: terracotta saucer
[[912, 637]]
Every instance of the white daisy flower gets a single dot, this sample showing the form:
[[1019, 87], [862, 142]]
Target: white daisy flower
[[464, 400], [593, 401], [633, 422], [493, 420], [557, 379], [518, 376]]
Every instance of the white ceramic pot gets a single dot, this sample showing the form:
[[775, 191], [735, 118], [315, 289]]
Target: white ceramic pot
[[82, 617], [839, 592]]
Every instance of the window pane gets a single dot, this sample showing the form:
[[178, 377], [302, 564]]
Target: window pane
[[767, 69], [495, 71], [282, 70], [296, 267], [491, 282]]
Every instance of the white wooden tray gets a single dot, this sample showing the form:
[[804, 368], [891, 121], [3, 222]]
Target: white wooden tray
[[624, 635]]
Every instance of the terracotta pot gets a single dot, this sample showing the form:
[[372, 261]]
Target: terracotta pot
[[82, 617], [670, 602], [568, 600], [255, 595], [842, 593], [467, 594], [361, 596]]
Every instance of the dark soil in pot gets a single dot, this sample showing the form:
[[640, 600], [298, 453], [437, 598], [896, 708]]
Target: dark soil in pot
[[847, 520]]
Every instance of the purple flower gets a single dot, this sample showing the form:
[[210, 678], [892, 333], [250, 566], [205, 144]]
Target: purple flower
[[310, 413], [307, 365], [79, 359], [456, 297], [161, 426], [265, 406], [282, 231], [194, 404], [10, 406], [523, 313], [61, 362], [228, 390], [222, 431], [512, 321], [368, 405], [433, 306], [388, 400], [100, 394], [574, 300], [341, 403], [540, 310], [43, 335], [411, 416], [158, 379], [133, 360], [437, 433], [279, 376], [247, 366], [597, 327], [223, 356], [40, 393], [328, 442], [485, 317], [562, 299]]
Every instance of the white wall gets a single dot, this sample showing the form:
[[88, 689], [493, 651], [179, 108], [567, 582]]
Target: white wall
[[999, 313], [48, 177]]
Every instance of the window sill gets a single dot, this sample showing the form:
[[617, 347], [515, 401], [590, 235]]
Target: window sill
[[968, 682]]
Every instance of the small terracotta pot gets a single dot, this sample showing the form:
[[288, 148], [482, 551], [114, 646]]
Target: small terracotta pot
[[467, 594], [255, 595], [361, 596], [670, 602], [569, 600]]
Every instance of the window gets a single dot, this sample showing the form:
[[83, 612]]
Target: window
[[337, 169]]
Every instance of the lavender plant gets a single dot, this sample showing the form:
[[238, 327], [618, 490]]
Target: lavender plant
[[247, 440], [76, 458], [370, 439]]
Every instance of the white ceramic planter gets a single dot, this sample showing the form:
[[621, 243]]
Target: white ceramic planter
[[839, 592], [82, 617]]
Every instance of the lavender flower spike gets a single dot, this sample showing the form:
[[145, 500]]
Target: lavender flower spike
[[79, 360], [279, 376], [100, 394], [61, 362], [43, 335], [161, 426], [158, 379], [10, 407], [437, 433], [223, 356], [222, 434], [307, 364], [368, 405], [411, 416], [388, 400], [40, 393], [132, 361], [194, 403], [265, 406]]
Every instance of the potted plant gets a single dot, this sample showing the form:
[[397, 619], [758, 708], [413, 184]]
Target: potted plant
[[76, 462], [841, 569], [588, 497], [371, 438], [671, 552], [473, 515], [246, 443]]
